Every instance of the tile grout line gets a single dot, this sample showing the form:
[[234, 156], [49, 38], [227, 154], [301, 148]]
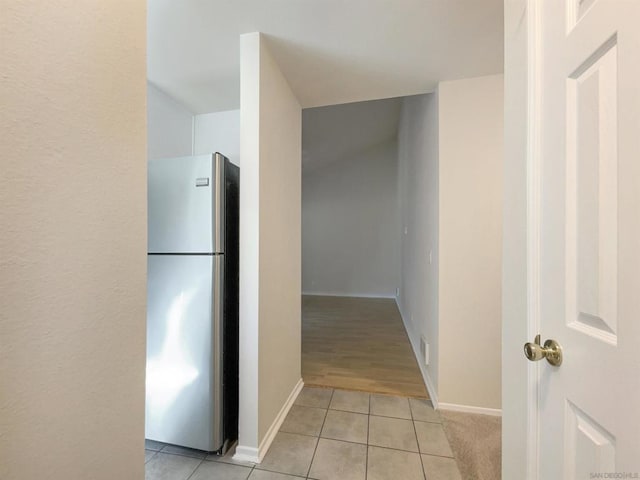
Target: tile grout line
[[294, 475], [433, 455], [194, 470], [252, 467], [384, 394], [349, 441], [355, 390], [415, 431], [188, 456], [404, 418], [358, 443], [366, 460], [321, 427], [348, 411], [155, 452]]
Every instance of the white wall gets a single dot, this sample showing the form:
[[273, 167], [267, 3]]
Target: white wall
[[249, 338], [270, 244], [73, 240], [514, 260], [450, 156], [350, 242], [280, 239], [471, 152], [169, 126], [218, 132], [418, 195], [174, 131]]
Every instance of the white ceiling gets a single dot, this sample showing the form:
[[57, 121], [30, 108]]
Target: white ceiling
[[331, 51], [334, 133]]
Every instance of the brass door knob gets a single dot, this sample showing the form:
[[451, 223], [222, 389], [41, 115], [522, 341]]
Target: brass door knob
[[551, 350]]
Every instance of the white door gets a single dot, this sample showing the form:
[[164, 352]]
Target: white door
[[587, 227]]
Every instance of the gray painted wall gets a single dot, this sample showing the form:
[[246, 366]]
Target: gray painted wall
[[418, 159], [350, 242], [450, 161]]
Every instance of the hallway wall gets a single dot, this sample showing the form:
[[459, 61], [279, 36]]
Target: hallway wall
[[471, 148], [350, 244], [418, 162], [450, 160], [73, 242], [270, 257]]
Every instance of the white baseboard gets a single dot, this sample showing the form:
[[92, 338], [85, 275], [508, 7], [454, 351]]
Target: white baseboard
[[431, 389], [277, 422], [246, 454], [255, 455], [494, 412], [433, 394], [353, 295]]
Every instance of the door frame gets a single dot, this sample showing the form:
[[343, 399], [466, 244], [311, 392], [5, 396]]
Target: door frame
[[521, 236]]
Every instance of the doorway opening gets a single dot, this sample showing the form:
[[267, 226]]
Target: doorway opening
[[353, 335]]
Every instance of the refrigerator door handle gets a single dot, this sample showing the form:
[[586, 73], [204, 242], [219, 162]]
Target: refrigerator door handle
[[219, 203], [217, 330]]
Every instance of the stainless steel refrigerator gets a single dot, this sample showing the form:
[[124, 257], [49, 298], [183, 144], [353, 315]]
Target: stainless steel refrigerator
[[192, 302]]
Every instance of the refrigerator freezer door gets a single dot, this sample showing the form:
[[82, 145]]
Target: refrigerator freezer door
[[184, 352], [186, 204]]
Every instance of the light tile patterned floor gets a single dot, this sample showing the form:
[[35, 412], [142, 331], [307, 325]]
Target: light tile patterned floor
[[330, 435]]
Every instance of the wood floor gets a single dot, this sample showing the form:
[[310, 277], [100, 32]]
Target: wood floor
[[358, 344]]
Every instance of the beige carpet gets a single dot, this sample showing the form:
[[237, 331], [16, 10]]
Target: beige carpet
[[476, 441]]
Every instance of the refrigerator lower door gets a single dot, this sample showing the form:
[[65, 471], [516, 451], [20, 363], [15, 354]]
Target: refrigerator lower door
[[184, 350]]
